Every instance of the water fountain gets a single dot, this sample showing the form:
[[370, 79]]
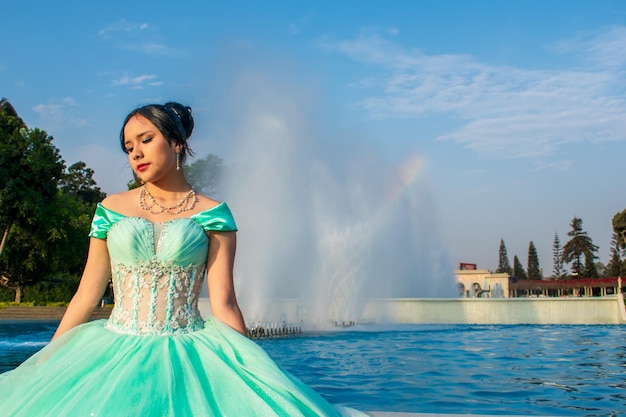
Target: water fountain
[[325, 222]]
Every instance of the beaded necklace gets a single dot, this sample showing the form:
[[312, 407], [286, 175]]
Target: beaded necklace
[[148, 202]]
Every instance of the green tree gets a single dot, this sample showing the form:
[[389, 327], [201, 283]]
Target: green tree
[[205, 174], [518, 269], [57, 248], [619, 227], [601, 269], [30, 168], [67, 233], [134, 183], [578, 246], [10, 125], [591, 269], [503, 260], [78, 182], [558, 271], [614, 267], [534, 271], [22, 261]]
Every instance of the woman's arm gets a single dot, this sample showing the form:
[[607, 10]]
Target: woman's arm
[[220, 263], [91, 288]]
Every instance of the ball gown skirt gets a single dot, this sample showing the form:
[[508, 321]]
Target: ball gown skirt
[[215, 371], [155, 356]]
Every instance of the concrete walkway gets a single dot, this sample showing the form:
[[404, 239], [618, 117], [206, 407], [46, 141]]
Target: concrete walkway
[[45, 313]]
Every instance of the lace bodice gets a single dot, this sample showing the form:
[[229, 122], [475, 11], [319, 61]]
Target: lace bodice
[[158, 268]]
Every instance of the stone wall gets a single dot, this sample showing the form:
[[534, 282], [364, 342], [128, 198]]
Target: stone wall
[[580, 310]]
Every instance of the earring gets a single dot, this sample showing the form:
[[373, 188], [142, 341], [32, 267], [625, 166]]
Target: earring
[[177, 161]]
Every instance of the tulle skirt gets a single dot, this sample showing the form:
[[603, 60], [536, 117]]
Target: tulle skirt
[[91, 371]]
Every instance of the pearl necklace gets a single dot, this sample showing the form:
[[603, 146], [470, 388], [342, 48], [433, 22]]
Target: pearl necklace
[[148, 202]]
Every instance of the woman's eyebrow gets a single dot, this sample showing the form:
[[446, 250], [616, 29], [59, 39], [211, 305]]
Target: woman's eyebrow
[[138, 135]]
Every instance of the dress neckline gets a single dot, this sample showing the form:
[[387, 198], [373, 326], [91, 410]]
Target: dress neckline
[[198, 214]]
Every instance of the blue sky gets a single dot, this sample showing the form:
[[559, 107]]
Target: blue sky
[[515, 109]]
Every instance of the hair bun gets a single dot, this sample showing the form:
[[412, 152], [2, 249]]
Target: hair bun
[[183, 116]]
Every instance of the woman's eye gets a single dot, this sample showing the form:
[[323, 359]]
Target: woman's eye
[[146, 140], [129, 150]]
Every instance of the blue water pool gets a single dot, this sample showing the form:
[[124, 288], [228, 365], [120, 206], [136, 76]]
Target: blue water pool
[[455, 369]]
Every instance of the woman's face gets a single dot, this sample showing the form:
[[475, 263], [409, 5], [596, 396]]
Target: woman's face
[[150, 155]]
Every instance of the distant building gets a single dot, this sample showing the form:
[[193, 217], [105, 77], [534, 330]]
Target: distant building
[[482, 283]]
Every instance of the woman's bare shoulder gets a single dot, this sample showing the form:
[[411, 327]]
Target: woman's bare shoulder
[[121, 202], [206, 203]]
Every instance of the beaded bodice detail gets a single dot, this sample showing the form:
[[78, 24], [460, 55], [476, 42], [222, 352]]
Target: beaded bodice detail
[[157, 271]]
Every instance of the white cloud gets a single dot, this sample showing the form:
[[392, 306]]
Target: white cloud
[[70, 102], [133, 81], [508, 111], [56, 116], [151, 48], [50, 112], [564, 165], [139, 37], [605, 48], [121, 26]]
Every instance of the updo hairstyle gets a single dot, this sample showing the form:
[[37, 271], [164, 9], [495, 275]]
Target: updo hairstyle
[[173, 120]]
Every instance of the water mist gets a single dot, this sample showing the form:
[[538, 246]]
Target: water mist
[[325, 223]]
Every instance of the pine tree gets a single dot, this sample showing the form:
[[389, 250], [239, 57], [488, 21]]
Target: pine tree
[[590, 270], [534, 272], [518, 269], [614, 267], [503, 260], [580, 244], [619, 227], [558, 271]]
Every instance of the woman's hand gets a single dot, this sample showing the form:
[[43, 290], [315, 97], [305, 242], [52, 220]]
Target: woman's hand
[[92, 285]]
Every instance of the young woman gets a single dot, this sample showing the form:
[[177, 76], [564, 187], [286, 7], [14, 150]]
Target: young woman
[[155, 355]]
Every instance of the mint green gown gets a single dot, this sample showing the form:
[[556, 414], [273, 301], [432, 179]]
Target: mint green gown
[[155, 355]]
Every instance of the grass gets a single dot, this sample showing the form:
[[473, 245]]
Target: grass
[[4, 304]]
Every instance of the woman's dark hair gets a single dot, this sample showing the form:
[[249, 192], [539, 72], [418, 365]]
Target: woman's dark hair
[[173, 120]]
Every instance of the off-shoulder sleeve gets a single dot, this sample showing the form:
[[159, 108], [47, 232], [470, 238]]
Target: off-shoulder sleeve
[[218, 219], [103, 219]]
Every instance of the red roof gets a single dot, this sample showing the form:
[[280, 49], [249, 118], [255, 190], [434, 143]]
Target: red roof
[[564, 283]]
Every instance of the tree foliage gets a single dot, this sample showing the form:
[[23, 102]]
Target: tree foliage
[[78, 183], [619, 227], [614, 267], [518, 269], [31, 168], [503, 260], [534, 271], [578, 246], [590, 269], [558, 271], [205, 174], [45, 212]]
